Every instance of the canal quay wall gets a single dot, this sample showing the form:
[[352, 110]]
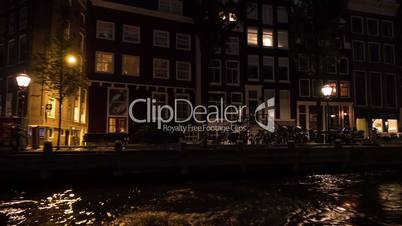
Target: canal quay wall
[[189, 160]]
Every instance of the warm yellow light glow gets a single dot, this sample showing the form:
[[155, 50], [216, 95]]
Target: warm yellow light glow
[[327, 90], [23, 80], [71, 60]]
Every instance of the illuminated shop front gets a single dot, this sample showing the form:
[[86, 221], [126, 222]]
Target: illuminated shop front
[[340, 115]]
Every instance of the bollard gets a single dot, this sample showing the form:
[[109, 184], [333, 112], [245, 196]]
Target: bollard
[[47, 147], [118, 146]]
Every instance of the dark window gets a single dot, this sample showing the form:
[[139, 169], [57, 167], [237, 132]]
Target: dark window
[[357, 24], [389, 54], [375, 92], [304, 87], [22, 48], [374, 52], [12, 52], [372, 27], [358, 51], [12, 23], [344, 66], [23, 18], [388, 29], [317, 85], [389, 81], [360, 83]]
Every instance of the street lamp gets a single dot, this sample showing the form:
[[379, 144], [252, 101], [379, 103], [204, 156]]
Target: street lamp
[[327, 91], [23, 81], [71, 60]]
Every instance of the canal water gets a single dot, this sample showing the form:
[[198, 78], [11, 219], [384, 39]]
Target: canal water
[[345, 199]]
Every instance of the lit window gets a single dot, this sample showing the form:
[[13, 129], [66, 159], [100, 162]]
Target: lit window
[[76, 115], [232, 46], [357, 24], [334, 86], [283, 39], [389, 54], [282, 14], [161, 38], [131, 65], [252, 36], [232, 72], [215, 72], [268, 69], [183, 71], [131, 34], [267, 15], [372, 27], [52, 106], [388, 29], [374, 52], [183, 41], [283, 71], [171, 6], [252, 11], [104, 30], [161, 68], [253, 72], [104, 62], [378, 125], [344, 89], [267, 38]]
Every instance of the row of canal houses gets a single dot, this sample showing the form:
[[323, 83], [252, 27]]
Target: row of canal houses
[[141, 49]]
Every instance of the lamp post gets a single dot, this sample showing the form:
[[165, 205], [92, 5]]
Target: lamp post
[[71, 61], [23, 81], [327, 91]]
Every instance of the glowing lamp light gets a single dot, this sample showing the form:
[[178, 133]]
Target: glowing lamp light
[[23, 80], [71, 60], [327, 90]]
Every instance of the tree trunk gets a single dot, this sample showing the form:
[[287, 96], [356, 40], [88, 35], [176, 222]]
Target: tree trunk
[[60, 104]]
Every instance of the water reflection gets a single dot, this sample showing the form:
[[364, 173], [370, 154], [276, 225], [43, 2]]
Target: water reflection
[[350, 199]]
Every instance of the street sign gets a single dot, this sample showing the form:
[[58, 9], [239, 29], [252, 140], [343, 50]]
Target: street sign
[[49, 107]]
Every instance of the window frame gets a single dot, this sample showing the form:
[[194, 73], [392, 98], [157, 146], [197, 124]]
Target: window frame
[[288, 67], [122, 65], [351, 24], [236, 44], [369, 52], [153, 68], [393, 50], [138, 29], [189, 72], [378, 26], [96, 62], [300, 87], [155, 44], [237, 69], [189, 41], [220, 72], [256, 56], [273, 68], [364, 50], [98, 24], [392, 27]]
